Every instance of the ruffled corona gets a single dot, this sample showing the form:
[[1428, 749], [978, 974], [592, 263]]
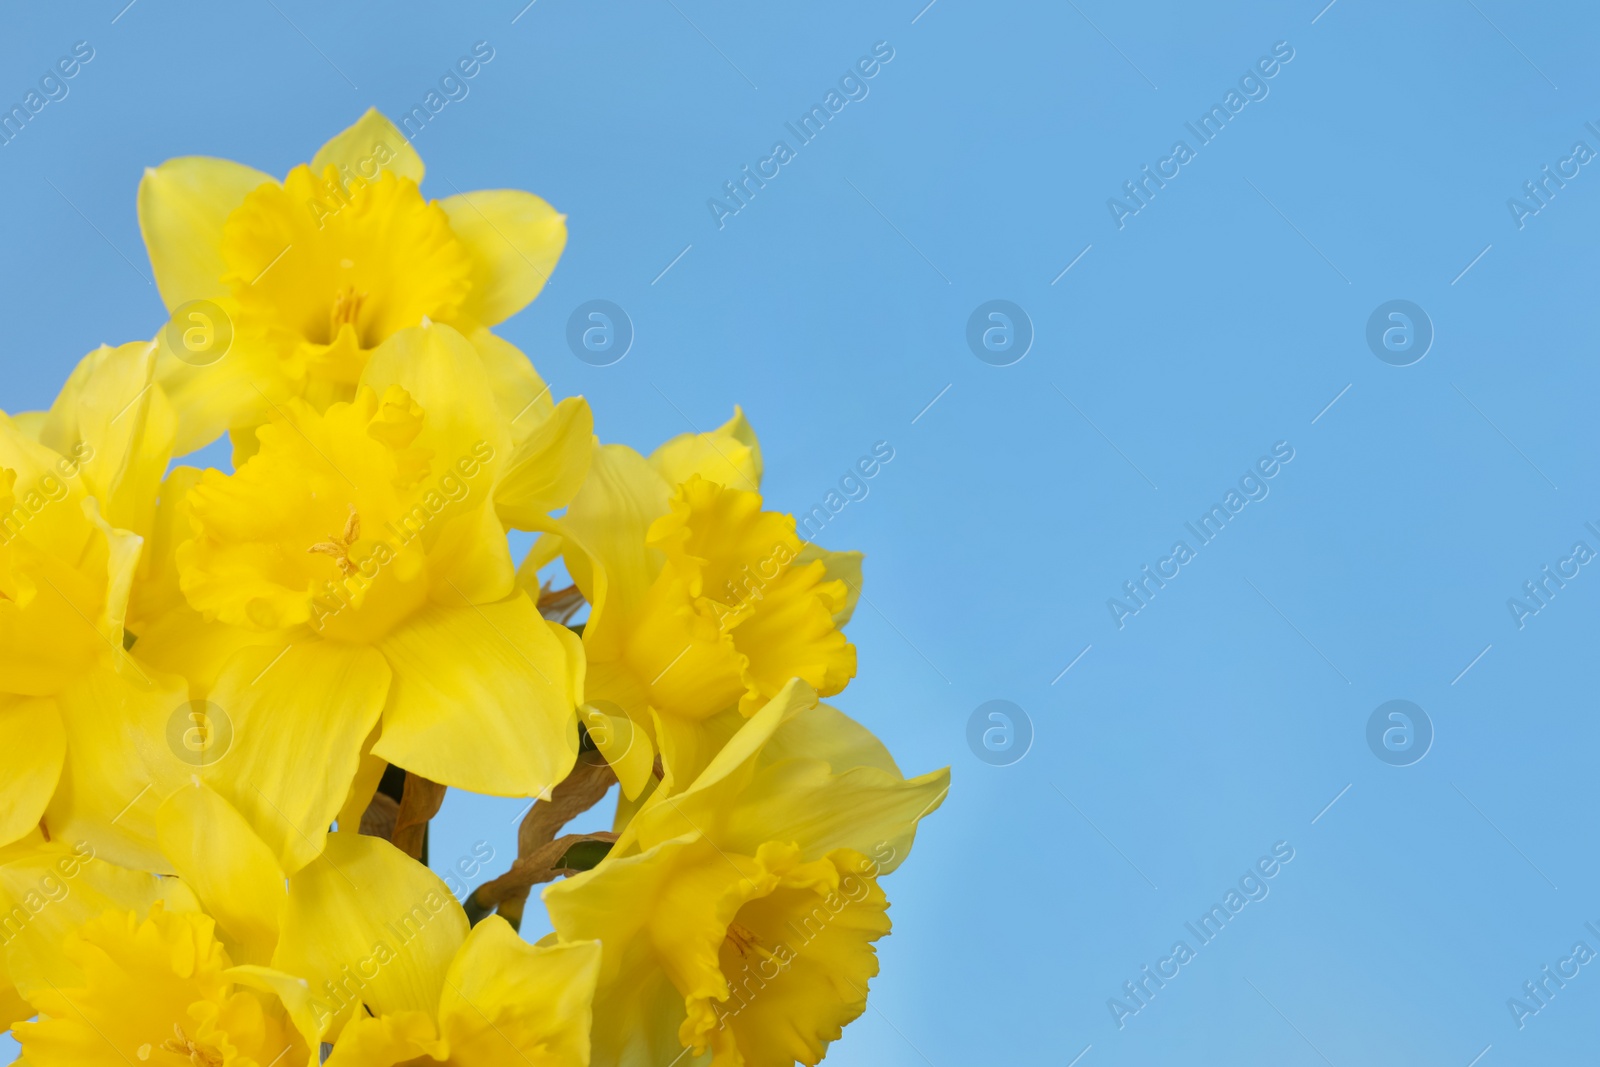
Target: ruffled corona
[[327, 526], [739, 914], [704, 604], [358, 554], [156, 990], [307, 276]]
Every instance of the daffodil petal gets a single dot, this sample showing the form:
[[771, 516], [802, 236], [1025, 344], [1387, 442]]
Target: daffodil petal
[[624, 905], [624, 744], [761, 789], [68, 572], [290, 762], [405, 1037], [230, 868], [470, 560], [837, 567], [182, 206], [825, 733], [13, 1009], [33, 746], [364, 786], [482, 699], [730, 455], [372, 144], [117, 430], [235, 392], [294, 993], [445, 376], [59, 887], [514, 239], [109, 792], [524, 398], [548, 467], [605, 529], [365, 913], [506, 1000]]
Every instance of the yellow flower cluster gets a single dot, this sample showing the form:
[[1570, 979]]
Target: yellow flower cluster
[[231, 702]]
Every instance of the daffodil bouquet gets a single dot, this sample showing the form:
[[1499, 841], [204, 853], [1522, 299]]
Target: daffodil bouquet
[[230, 703]]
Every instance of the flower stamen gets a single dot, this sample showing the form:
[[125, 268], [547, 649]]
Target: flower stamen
[[742, 938], [346, 308], [182, 1046], [338, 545]]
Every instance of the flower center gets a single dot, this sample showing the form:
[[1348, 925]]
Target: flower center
[[165, 972], [346, 309], [742, 939], [313, 260], [322, 526], [181, 1045], [338, 545]]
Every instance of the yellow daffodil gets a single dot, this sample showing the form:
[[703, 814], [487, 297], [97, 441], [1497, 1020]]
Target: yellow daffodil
[[231, 963], [13, 1008], [350, 588], [702, 602], [303, 278], [370, 952], [738, 915], [394, 972], [122, 967], [77, 497], [205, 675]]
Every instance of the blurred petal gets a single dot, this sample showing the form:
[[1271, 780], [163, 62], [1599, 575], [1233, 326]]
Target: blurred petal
[[548, 467], [605, 529], [364, 787], [372, 140], [117, 429], [237, 391], [524, 398], [514, 239], [407, 1037], [33, 745], [445, 376], [182, 206], [730, 455], [59, 887], [837, 567]]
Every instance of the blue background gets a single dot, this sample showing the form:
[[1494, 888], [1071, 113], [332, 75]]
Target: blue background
[[1224, 317]]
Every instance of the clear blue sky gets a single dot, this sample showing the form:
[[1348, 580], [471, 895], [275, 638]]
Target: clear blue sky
[[1221, 318]]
